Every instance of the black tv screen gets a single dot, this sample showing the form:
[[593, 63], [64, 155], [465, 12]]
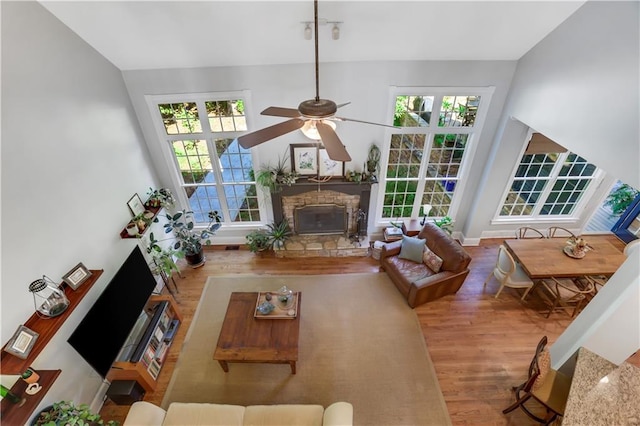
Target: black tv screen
[[104, 330]]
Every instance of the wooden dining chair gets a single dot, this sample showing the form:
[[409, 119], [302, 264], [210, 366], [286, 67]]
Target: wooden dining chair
[[528, 232], [558, 231], [567, 294], [545, 385], [509, 273]]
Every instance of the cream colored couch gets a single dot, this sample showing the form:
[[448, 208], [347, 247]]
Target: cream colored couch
[[144, 413]]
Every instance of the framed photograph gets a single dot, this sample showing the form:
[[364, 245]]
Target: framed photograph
[[21, 342], [75, 277], [304, 158], [327, 166], [135, 205]]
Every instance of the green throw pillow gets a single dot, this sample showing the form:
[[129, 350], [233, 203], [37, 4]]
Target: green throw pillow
[[412, 249]]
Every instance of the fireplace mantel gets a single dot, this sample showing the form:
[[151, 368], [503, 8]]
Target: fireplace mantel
[[302, 186]]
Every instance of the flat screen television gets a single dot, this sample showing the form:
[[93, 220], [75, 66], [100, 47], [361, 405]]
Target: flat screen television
[[105, 329]]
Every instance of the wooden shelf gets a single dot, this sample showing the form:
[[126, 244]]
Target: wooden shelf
[[47, 327], [16, 414], [154, 210]]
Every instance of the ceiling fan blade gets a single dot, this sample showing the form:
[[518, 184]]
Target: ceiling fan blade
[[281, 112], [256, 138], [332, 143], [365, 122], [344, 104]]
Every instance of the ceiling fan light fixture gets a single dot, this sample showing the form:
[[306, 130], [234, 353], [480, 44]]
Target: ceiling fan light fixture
[[310, 130]]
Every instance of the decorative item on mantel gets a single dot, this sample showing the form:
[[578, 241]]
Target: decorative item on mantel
[[577, 248]]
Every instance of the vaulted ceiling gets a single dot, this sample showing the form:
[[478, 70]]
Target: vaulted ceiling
[[180, 34]]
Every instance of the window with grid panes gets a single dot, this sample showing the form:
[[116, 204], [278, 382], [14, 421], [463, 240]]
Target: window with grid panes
[[548, 184], [426, 156], [215, 172]]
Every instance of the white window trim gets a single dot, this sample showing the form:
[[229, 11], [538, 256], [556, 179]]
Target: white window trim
[[475, 132], [574, 218], [152, 104]]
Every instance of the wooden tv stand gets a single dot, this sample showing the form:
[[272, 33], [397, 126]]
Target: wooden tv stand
[[154, 344]]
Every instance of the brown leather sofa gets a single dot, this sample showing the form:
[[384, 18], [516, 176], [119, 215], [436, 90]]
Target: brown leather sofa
[[416, 281]]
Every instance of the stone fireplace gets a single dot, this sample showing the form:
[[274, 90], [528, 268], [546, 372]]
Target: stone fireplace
[[328, 219]]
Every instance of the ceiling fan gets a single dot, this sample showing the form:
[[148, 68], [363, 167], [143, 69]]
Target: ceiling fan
[[314, 116]]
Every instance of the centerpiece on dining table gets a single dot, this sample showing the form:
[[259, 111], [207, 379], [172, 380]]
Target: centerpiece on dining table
[[577, 247]]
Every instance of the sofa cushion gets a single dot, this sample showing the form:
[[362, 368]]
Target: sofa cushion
[[283, 415], [432, 260], [412, 249], [183, 413], [453, 256]]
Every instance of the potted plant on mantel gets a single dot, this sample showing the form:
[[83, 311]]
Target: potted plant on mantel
[[188, 239], [67, 413]]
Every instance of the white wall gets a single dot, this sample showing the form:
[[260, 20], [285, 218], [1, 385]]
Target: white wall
[[365, 84], [580, 87], [72, 155]]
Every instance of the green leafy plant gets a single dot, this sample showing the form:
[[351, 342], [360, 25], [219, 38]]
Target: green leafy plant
[[446, 224], [274, 177], [279, 233], [620, 198], [67, 413], [258, 240], [189, 240], [160, 197]]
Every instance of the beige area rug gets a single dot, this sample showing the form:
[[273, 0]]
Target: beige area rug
[[359, 342]]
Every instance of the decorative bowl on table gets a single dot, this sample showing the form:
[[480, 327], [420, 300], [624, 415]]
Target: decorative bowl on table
[[577, 247], [265, 308]]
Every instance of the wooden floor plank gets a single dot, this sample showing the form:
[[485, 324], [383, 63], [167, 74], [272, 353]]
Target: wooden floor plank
[[480, 345]]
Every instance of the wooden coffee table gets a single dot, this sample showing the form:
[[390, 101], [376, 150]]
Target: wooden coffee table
[[244, 338]]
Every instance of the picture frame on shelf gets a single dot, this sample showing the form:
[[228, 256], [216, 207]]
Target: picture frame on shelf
[[327, 166], [135, 205], [21, 342], [304, 159], [76, 276]]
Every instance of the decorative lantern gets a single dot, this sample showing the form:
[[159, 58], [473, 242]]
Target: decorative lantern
[[48, 299]]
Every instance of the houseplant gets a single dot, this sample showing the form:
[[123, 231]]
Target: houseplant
[[446, 224], [279, 233], [273, 177], [160, 198], [258, 240], [67, 413], [188, 239]]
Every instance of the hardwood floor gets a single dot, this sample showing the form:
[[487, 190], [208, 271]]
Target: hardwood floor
[[480, 346]]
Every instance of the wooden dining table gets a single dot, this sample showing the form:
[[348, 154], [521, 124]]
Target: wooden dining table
[[545, 257]]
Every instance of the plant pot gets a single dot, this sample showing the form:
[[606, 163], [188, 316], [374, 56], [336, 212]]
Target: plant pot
[[132, 229], [195, 260]]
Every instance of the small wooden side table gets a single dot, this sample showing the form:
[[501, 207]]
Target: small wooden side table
[[412, 228]]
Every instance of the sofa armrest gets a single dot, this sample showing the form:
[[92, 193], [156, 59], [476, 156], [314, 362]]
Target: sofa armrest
[[435, 286], [338, 414], [144, 413], [391, 249]]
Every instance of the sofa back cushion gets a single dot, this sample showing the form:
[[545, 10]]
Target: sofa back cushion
[[454, 257], [283, 415], [191, 413]]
